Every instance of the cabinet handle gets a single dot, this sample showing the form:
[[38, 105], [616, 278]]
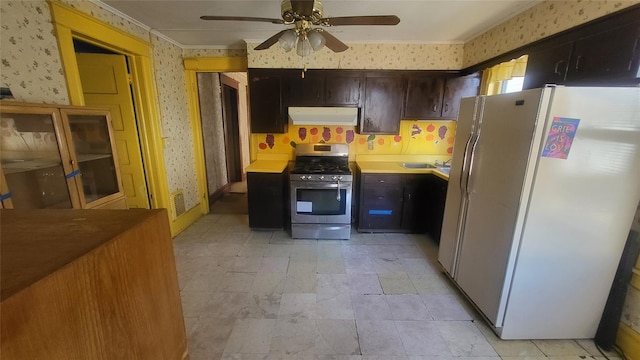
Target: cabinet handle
[[381, 181], [446, 107], [556, 70], [73, 162], [435, 107], [579, 62]]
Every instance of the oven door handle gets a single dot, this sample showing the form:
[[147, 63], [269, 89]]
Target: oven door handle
[[338, 192], [319, 185]]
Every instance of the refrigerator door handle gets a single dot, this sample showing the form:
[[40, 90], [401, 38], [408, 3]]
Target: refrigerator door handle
[[473, 156], [463, 176]]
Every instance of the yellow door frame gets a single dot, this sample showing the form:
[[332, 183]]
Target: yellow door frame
[[192, 66], [70, 23]]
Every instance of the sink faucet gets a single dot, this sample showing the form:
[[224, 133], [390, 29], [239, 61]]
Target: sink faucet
[[444, 163]]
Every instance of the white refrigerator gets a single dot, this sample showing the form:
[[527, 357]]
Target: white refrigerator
[[542, 191]]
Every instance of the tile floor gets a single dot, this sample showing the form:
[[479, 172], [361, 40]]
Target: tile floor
[[262, 295]]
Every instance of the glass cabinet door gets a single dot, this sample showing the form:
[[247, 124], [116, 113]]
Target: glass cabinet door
[[93, 148], [37, 175]]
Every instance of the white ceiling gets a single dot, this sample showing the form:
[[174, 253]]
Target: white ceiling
[[421, 21]]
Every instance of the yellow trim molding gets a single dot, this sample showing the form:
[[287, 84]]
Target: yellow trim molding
[[192, 66], [183, 221], [70, 23], [629, 341], [198, 144]]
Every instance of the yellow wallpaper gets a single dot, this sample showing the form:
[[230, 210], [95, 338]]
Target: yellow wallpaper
[[415, 137], [364, 56]]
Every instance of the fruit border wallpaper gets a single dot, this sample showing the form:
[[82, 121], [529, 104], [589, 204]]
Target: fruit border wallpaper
[[415, 137]]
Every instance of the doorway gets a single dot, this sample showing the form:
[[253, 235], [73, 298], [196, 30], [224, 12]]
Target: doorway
[[223, 110], [231, 124]]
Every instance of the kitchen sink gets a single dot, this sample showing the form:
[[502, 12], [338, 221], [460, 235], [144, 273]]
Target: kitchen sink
[[445, 169], [418, 166]]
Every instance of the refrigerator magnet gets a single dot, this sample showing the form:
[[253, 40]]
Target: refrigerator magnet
[[560, 137]]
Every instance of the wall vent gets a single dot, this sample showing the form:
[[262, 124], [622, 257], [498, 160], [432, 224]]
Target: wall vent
[[177, 200]]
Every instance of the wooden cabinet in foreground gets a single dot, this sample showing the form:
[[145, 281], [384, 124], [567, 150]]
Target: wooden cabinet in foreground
[[58, 157], [89, 284]]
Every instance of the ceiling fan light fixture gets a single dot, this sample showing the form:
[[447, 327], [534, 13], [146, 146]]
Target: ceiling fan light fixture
[[316, 40], [304, 47], [288, 40]]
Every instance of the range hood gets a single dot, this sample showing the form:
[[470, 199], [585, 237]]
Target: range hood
[[323, 116]]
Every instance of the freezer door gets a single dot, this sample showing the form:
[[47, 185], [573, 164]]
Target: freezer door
[[496, 180], [456, 194]]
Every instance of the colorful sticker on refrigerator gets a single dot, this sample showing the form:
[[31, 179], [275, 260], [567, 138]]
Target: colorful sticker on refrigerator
[[560, 137]]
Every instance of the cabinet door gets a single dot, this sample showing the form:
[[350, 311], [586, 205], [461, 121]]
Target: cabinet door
[[265, 102], [424, 97], [307, 91], [610, 55], [547, 66], [381, 202], [266, 197], [342, 88], [415, 203], [456, 89], [92, 147], [435, 210], [382, 104], [35, 161]]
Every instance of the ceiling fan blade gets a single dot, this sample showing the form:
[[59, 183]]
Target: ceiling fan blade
[[270, 41], [332, 42], [302, 7], [242, 18], [360, 20]]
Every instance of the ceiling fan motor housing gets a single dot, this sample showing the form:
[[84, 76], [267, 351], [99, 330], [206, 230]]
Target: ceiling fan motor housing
[[289, 16]]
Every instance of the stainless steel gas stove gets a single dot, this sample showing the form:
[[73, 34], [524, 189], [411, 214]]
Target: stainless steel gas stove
[[321, 191]]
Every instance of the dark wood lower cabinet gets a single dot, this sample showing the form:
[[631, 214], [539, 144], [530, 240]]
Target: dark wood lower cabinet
[[435, 209], [415, 202], [411, 203], [267, 196], [380, 202]]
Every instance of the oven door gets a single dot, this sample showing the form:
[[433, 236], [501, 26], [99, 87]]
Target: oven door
[[320, 202]]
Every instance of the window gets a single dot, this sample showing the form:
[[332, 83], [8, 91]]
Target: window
[[504, 77], [512, 85]]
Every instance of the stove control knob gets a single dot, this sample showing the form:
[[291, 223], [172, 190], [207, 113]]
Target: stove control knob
[[321, 177], [334, 178], [303, 177], [339, 177]]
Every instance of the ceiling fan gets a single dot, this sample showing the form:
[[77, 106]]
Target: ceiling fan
[[303, 14]]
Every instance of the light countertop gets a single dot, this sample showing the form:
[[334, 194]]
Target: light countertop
[[392, 164], [269, 164]]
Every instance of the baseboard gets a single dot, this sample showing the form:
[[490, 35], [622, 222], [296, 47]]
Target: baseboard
[[628, 340], [183, 221], [218, 194]]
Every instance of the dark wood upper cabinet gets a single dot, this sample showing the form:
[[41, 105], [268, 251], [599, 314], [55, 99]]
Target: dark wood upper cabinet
[[424, 97], [605, 52], [307, 91], [457, 88], [548, 66], [322, 88], [383, 101], [612, 54], [265, 102], [436, 96], [343, 88]]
